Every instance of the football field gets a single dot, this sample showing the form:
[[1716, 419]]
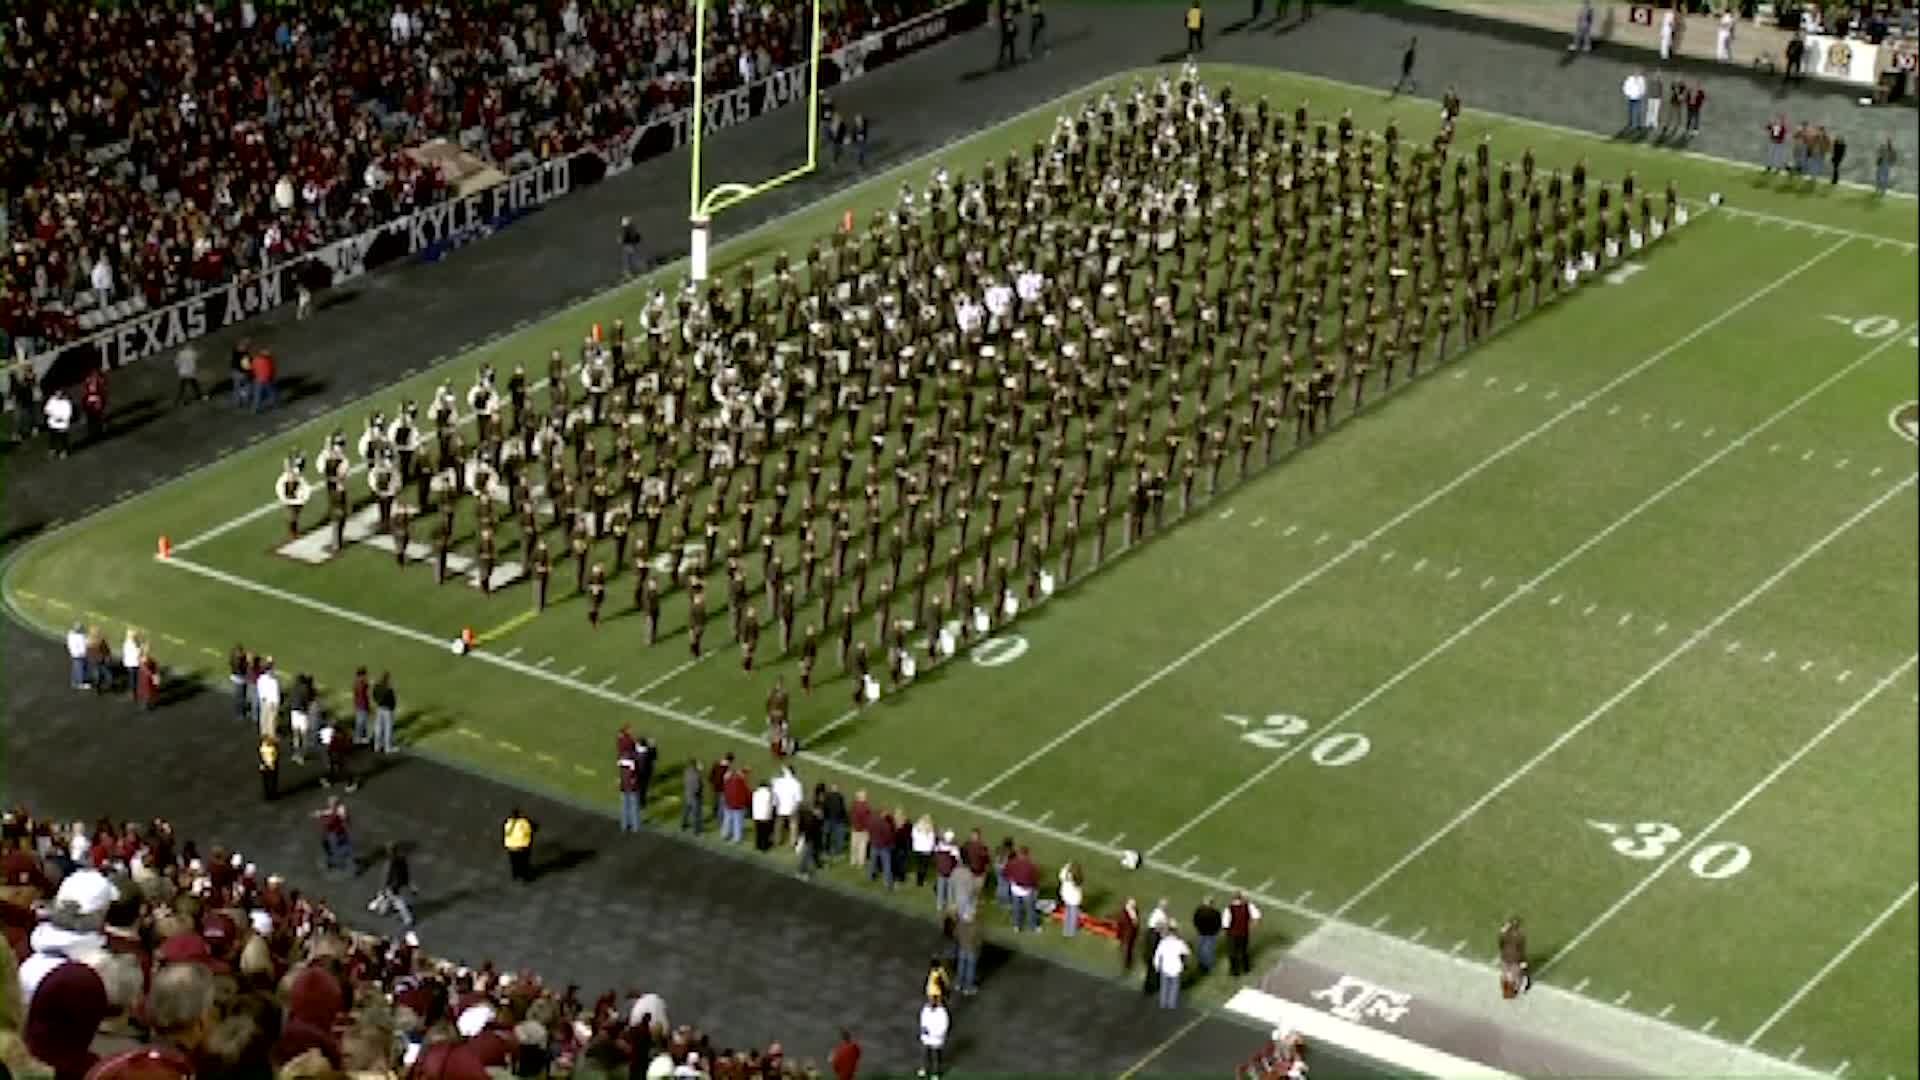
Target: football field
[[1610, 621]]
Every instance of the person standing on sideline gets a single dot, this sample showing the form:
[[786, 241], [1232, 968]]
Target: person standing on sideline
[[860, 140], [1072, 895], [240, 373], [717, 783], [1206, 934], [845, 1059], [1696, 101], [1037, 30], [1242, 917], [1796, 56], [517, 838], [1009, 34], [1723, 40], [735, 796], [1514, 977], [1126, 930], [392, 897], [269, 768], [1170, 963], [336, 841], [935, 1023], [79, 677], [186, 365], [692, 790], [1023, 878], [362, 707], [1196, 28], [383, 706], [859, 826], [59, 416], [263, 373], [966, 963], [1884, 159], [1777, 143], [1634, 89], [833, 814], [1838, 154], [1407, 58], [762, 804], [1582, 29], [627, 761], [633, 254], [1655, 94], [266, 689], [788, 793]]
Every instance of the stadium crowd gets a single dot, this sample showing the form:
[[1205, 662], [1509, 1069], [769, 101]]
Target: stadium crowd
[[130, 952], [151, 150]]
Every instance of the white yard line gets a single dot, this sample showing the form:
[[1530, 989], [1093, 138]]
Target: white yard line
[[1354, 547], [1520, 592], [1607, 706], [1827, 969], [1707, 831]]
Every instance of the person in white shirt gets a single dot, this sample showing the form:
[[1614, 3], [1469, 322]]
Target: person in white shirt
[[1723, 40], [131, 647], [59, 413], [1070, 898], [77, 653], [788, 793], [1667, 21], [762, 810], [400, 25], [102, 279], [267, 691], [934, 1025], [922, 841], [1170, 963], [1634, 89]]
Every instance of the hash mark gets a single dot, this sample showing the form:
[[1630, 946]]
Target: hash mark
[[1080, 828], [1708, 434], [1591, 608], [905, 775], [1458, 375], [1551, 394], [1795, 1056], [1290, 530], [1768, 659], [1732, 647], [1263, 886], [1453, 573], [1557, 597], [1227, 513], [1625, 619], [1458, 947], [1324, 537], [1842, 1067], [1808, 456], [1487, 582], [609, 681], [1522, 388], [1774, 449], [1418, 934], [1303, 898], [1646, 418], [1842, 463], [1379, 922], [1191, 859], [1676, 425], [1876, 471], [1661, 629], [1042, 819], [510, 653], [1115, 842], [1622, 999], [1493, 380], [545, 661], [1386, 556], [940, 783], [871, 762], [1257, 522], [575, 673], [1844, 676], [1581, 985], [1227, 874], [1805, 666], [1419, 566], [1008, 808], [509, 747], [838, 753], [1614, 411], [1707, 1028], [704, 710], [1666, 1011], [737, 722], [670, 703]]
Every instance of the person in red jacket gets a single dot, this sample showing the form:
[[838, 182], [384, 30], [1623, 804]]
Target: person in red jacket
[[93, 402], [1127, 930], [880, 830], [263, 372], [147, 685], [845, 1059], [717, 783], [735, 793]]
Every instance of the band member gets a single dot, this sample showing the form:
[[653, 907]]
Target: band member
[[809, 654], [542, 570], [596, 594], [442, 548], [402, 533], [404, 436], [1514, 976], [484, 556], [696, 616], [749, 638], [293, 492], [777, 725], [383, 480]]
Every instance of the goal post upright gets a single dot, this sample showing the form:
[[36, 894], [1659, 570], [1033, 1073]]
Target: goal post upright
[[703, 205]]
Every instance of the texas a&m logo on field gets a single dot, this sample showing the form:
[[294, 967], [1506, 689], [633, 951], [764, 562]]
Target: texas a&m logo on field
[[1361, 1001]]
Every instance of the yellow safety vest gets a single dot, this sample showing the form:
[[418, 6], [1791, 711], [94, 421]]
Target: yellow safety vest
[[1193, 18], [519, 834]]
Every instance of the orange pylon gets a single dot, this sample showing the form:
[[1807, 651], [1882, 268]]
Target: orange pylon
[[166, 547]]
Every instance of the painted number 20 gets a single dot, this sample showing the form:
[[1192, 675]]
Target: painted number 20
[[1874, 327], [1280, 731], [1651, 840]]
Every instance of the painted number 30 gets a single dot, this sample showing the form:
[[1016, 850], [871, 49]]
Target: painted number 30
[[1281, 731], [1650, 840], [1874, 327]]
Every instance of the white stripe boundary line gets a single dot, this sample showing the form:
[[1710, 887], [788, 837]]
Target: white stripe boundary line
[[1355, 546], [1705, 832], [1525, 588], [1833, 962], [1607, 706]]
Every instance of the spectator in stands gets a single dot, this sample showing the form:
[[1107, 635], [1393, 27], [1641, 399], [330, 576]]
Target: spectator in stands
[[845, 1059], [63, 1017]]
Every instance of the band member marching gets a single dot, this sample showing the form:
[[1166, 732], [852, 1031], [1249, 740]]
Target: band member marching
[[404, 436], [779, 733], [484, 401], [293, 492]]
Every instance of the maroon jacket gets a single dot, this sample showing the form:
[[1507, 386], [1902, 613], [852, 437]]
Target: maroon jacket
[[978, 859], [881, 830], [1021, 872], [862, 816], [738, 794]]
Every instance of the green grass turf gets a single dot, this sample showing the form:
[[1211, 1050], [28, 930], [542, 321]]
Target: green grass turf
[[1415, 646]]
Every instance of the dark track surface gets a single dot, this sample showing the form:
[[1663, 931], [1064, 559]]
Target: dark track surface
[[751, 954]]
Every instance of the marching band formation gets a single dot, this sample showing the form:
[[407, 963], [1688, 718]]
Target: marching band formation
[[933, 422]]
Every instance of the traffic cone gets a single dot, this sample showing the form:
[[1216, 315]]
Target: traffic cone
[[596, 333], [166, 547], [846, 222], [466, 637]]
